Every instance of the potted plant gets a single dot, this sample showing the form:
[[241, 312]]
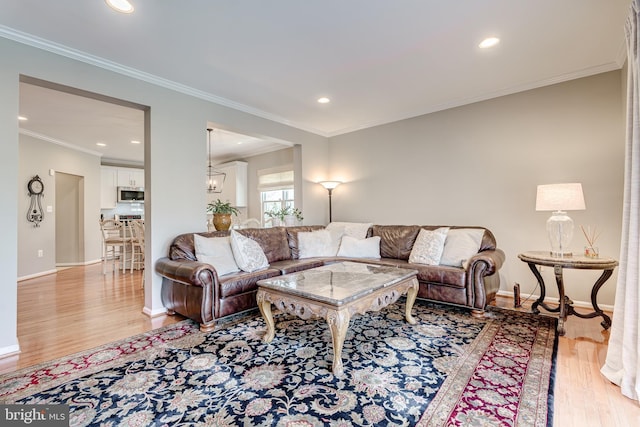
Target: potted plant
[[222, 212], [293, 217], [285, 216]]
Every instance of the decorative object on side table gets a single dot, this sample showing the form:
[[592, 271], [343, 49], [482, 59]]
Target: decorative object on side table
[[222, 212], [591, 250], [560, 198]]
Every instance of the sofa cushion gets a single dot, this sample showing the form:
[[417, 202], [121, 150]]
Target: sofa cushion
[[396, 241], [359, 248], [428, 246], [217, 252], [295, 265], [444, 274], [241, 282], [461, 244], [273, 241], [247, 252]]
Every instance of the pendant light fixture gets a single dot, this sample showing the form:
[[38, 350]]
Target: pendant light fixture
[[215, 178]]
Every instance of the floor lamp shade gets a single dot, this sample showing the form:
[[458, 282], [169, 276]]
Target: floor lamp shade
[[330, 185], [560, 198]]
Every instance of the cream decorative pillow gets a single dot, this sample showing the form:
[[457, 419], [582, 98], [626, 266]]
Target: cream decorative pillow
[[359, 248], [217, 252], [354, 229], [248, 253], [428, 246], [314, 244], [461, 244]]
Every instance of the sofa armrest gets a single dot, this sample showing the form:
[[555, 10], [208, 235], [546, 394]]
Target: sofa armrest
[[192, 273], [492, 261]]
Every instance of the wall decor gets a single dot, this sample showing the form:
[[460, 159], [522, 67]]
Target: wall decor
[[35, 213]]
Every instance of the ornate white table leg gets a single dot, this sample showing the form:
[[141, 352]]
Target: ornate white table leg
[[338, 324], [412, 293], [265, 309]]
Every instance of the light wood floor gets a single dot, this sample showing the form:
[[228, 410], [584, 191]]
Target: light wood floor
[[78, 308]]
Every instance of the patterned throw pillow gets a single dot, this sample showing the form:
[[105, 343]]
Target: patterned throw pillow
[[248, 253], [429, 246], [217, 252]]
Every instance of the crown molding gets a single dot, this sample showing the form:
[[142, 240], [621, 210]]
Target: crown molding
[[59, 49], [46, 138]]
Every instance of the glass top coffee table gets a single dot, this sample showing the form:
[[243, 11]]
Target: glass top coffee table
[[335, 292]]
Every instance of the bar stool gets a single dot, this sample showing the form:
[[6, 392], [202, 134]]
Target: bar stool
[[114, 244]]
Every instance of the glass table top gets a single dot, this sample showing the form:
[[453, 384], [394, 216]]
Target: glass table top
[[338, 283]]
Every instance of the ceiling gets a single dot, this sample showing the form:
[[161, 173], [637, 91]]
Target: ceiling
[[377, 60]]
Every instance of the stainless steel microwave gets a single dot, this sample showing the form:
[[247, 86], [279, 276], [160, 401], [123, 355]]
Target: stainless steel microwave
[[130, 194]]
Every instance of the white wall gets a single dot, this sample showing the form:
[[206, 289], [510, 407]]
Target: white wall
[[175, 158], [480, 165]]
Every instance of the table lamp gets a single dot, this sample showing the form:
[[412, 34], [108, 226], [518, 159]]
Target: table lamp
[[560, 198]]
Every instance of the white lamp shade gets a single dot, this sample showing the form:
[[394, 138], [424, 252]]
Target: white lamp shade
[[560, 197], [329, 185]]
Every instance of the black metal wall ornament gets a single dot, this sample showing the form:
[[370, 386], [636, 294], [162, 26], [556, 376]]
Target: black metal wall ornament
[[36, 192]]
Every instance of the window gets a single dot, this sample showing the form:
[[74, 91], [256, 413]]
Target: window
[[276, 190]]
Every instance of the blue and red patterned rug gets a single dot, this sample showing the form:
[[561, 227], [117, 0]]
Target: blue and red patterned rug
[[448, 370]]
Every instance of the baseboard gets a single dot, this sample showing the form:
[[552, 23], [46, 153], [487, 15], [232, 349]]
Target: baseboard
[[39, 274], [154, 313], [532, 298], [8, 351]]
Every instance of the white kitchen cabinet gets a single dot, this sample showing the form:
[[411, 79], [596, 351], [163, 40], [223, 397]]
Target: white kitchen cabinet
[[130, 177], [108, 187], [234, 189]]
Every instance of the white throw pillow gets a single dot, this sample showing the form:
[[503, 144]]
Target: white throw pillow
[[354, 229], [314, 243], [428, 246], [359, 248], [217, 252], [248, 253], [461, 244]]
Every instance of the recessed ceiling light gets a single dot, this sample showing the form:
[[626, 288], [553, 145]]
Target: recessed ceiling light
[[122, 6], [135, 142], [324, 100], [489, 42], [22, 118], [101, 144]]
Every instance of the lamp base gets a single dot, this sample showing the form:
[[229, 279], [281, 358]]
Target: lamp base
[[560, 231]]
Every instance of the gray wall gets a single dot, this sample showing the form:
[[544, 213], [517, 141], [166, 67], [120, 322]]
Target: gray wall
[[37, 157], [480, 165], [477, 164], [174, 145]]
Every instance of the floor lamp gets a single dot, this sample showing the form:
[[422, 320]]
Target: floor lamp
[[329, 185]]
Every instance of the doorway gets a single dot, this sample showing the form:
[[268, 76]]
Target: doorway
[[69, 219]]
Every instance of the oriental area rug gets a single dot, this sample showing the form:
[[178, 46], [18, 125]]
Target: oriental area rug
[[450, 369]]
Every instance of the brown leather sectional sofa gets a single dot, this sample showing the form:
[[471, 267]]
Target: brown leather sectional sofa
[[194, 290]]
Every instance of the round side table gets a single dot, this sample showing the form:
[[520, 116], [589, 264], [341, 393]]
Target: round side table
[[565, 306]]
